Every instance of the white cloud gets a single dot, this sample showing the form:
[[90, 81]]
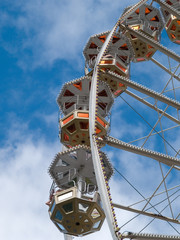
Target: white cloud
[[25, 184], [50, 119], [53, 30]]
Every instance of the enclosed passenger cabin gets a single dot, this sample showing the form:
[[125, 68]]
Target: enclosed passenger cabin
[[110, 63], [146, 19], [120, 47], [75, 96], [172, 24], [76, 216], [117, 59], [75, 128], [68, 165]]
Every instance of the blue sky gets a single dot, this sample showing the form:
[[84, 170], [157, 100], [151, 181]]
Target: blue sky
[[41, 44]]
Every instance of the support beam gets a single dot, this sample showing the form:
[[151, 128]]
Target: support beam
[[149, 214], [156, 195], [157, 132], [143, 37], [92, 128], [144, 89], [165, 69], [169, 8], [152, 106], [168, 160], [144, 236]]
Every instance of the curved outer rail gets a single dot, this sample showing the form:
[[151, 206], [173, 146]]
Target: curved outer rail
[[98, 165]]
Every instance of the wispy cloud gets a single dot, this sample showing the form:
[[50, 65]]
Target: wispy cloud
[[53, 30], [44, 32], [24, 185]]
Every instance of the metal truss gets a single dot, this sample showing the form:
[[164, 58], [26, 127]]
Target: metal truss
[[88, 99], [151, 41], [168, 8], [145, 90], [166, 159], [149, 214], [145, 236], [94, 148]]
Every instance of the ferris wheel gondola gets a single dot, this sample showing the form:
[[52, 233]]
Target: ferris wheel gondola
[[83, 169]]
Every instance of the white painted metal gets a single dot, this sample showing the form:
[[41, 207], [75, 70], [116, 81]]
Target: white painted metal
[[67, 237], [144, 236], [152, 106], [165, 69], [145, 90], [114, 48], [169, 8], [166, 159], [144, 20], [170, 189], [164, 130], [107, 205], [149, 214], [79, 186], [152, 42], [94, 147], [71, 163], [80, 97]]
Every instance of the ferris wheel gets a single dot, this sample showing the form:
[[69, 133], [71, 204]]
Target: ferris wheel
[[80, 196]]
